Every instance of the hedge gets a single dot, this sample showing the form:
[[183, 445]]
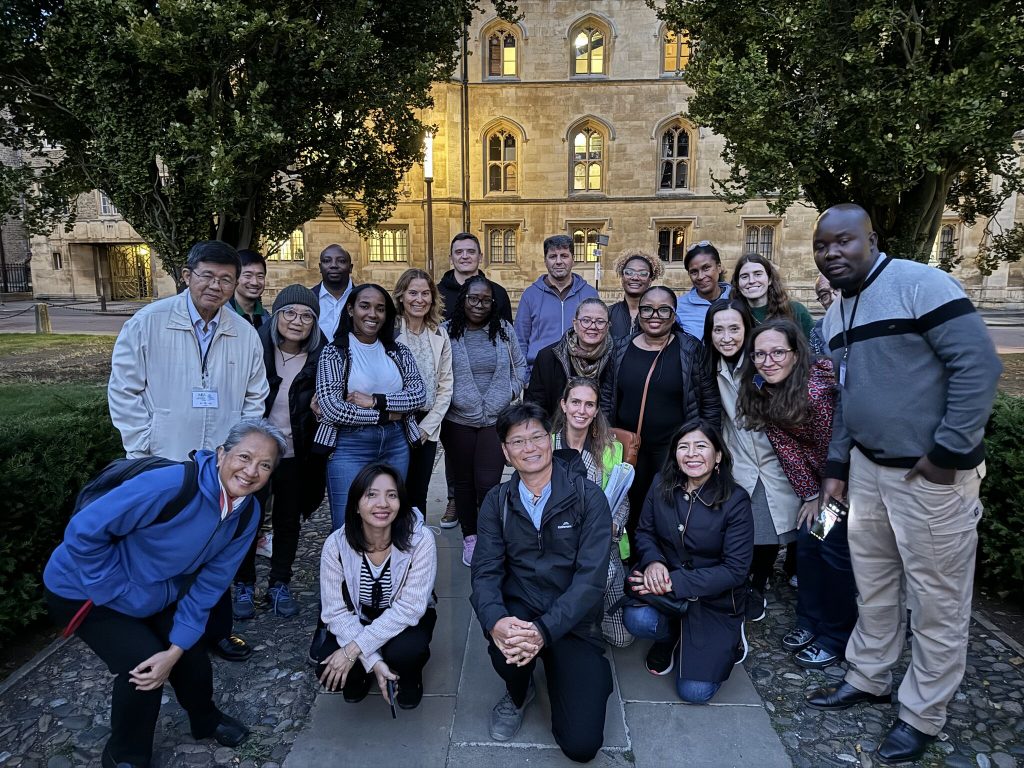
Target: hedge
[[1001, 531], [45, 457]]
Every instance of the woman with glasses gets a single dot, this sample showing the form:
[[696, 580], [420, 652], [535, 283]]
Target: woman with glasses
[[759, 283], [489, 369], [637, 270], [368, 388], [657, 381], [419, 328], [584, 350], [791, 396], [291, 352], [376, 583], [704, 266]]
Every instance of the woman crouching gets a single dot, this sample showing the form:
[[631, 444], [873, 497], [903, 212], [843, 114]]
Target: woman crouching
[[376, 584]]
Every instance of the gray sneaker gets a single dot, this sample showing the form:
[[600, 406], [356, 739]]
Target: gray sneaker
[[507, 718]]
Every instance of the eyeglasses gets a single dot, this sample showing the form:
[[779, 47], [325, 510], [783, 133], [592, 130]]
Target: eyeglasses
[[306, 318], [518, 443], [206, 278], [627, 272], [478, 301], [777, 355], [592, 322], [663, 313], [701, 244]]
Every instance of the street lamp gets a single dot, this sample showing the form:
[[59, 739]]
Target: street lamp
[[428, 178]]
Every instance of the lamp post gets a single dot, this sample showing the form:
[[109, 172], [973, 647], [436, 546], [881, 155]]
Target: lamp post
[[428, 178]]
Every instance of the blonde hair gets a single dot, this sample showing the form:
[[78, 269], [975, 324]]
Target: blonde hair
[[434, 316], [657, 268]]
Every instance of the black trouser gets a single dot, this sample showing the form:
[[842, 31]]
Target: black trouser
[[648, 463], [579, 683], [762, 565], [476, 460], [122, 642], [417, 480]]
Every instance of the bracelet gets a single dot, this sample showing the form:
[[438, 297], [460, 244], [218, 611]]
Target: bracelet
[[350, 658]]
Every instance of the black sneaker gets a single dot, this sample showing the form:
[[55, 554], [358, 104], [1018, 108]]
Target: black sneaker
[[661, 657], [757, 605], [409, 695]]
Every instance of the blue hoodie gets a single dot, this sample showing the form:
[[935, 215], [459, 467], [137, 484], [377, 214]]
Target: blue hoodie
[[113, 554], [693, 309], [542, 318]]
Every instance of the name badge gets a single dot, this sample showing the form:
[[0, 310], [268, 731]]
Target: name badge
[[205, 398], [842, 373]]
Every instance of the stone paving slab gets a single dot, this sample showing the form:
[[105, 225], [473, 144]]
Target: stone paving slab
[[475, 756], [444, 670]]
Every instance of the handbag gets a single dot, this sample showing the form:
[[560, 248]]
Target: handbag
[[670, 606], [631, 440]]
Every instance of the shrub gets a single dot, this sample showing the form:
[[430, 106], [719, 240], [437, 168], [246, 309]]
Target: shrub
[[1001, 532], [45, 457]]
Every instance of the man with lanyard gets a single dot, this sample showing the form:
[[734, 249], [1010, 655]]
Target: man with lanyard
[[185, 369], [917, 375], [334, 287], [252, 281]]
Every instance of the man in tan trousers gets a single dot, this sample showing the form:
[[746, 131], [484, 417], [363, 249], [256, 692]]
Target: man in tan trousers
[[917, 376]]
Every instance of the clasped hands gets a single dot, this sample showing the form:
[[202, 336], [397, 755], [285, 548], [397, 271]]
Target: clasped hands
[[655, 580], [519, 641]]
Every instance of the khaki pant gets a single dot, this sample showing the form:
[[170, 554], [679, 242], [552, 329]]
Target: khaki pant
[[912, 542]]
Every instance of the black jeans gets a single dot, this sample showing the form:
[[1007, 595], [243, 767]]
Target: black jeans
[[417, 480], [476, 460], [122, 642], [579, 683], [826, 602], [762, 565], [648, 463]]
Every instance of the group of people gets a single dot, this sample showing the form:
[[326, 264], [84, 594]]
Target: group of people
[[663, 448]]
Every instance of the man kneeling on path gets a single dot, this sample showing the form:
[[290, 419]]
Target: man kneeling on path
[[539, 571]]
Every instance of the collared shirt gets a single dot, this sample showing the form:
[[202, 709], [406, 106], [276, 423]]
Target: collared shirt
[[259, 312], [204, 330], [330, 310], [226, 508], [535, 509]]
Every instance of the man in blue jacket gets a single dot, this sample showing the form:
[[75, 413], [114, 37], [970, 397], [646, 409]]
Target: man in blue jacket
[[548, 306]]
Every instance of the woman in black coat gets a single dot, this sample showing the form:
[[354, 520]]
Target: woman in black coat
[[695, 542]]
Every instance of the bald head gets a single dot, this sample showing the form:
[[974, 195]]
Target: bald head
[[845, 245]]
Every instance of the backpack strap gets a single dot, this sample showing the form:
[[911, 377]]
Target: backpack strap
[[186, 493], [245, 518]]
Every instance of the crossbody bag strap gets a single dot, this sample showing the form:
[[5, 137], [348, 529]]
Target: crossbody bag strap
[[647, 383]]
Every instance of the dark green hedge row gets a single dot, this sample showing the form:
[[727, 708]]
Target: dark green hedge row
[[1001, 532], [45, 457]]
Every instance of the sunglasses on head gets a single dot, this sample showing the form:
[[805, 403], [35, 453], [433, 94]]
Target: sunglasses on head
[[701, 244]]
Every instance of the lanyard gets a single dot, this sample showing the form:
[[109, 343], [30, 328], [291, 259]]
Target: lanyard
[[846, 330]]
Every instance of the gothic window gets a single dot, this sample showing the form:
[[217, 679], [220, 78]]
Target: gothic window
[[502, 162], [672, 243], [761, 239], [675, 158], [290, 250], [501, 244], [584, 243], [589, 45], [389, 244], [676, 55], [588, 160], [502, 53]]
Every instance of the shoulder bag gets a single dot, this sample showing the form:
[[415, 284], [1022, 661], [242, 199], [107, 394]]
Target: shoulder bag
[[631, 440]]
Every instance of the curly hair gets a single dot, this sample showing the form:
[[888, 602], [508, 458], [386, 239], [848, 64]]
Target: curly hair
[[600, 432], [778, 298], [457, 325], [434, 317], [784, 405], [654, 263]]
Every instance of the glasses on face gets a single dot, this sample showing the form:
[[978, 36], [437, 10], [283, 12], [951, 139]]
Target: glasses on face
[[592, 322], [207, 278], [701, 244], [777, 355], [479, 301], [537, 440], [306, 318], [662, 313], [642, 273]]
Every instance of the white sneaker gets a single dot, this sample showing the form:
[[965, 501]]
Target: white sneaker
[[468, 546]]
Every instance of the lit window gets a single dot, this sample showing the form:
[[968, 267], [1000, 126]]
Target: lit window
[[584, 244], [761, 239], [587, 160], [672, 243], [677, 51], [675, 158], [588, 51], [389, 244], [944, 250], [106, 206], [291, 249], [501, 162], [501, 54], [501, 244]]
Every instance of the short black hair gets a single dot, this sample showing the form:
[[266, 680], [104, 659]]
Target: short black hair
[[401, 528], [519, 413], [465, 236], [249, 257], [557, 241], [213, 252], [698, 248]]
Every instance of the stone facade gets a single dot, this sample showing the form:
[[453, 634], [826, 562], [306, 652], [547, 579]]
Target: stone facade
[[536, 100]]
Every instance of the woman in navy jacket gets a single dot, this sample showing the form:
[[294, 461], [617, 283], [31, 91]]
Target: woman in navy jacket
[[695, 541], [138, 592]]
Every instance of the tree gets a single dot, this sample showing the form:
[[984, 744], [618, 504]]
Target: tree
[[234, 119], [904, 107]]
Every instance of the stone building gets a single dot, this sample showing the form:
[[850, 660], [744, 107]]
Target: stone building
[[14, 245], [565, 122]]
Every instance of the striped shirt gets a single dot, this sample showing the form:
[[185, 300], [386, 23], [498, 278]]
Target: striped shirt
[[371, 575]]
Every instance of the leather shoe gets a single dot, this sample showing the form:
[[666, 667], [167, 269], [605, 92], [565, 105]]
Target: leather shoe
[[842, 696], [903, 744], [409, 695], [232, 648], [107, 760], [230, 732]]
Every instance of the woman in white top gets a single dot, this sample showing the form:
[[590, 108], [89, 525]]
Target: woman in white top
[[419, 328], [368, 387]]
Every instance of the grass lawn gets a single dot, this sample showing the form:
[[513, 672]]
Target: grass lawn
[[55, 358]]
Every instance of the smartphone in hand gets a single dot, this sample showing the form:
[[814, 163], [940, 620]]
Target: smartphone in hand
[[392, 688]]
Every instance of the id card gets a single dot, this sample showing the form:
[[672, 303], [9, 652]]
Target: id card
[[205, 398], [842, 372]]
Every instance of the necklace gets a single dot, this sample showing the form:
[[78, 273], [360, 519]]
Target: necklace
[[288, 358]]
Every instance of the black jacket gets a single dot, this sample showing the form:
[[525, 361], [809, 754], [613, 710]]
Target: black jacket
[[621, 325], [449, 288], [550, 374], [300, 396], [554, 577]]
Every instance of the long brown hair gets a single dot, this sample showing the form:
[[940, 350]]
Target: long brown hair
[[600, 433], [434, 316], [778, 297], [784, 405]]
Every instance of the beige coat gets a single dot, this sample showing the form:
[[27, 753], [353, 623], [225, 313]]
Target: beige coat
[[754, 458], [441, 346], [157, 364]]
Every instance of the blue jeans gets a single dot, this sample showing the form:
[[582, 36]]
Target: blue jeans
[[357, 447], [646, 622]]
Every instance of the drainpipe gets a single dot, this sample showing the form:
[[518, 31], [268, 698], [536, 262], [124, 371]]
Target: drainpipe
[[465, 128]]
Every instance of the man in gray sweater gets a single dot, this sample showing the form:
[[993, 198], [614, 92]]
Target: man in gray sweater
[[917, 376]]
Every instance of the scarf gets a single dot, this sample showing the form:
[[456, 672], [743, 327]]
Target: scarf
[[585, 363]]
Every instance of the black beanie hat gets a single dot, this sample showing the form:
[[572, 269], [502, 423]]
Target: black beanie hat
[[297, 294]]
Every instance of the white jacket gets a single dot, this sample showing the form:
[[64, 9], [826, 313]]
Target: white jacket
[[441, 347], [155, 367]]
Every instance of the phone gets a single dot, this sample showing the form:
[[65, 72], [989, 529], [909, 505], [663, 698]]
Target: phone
[[392, 688], [833, 511]]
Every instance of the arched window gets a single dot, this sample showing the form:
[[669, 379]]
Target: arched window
[[502, 162], [672, 242], [584, 244], [502, 53], [761, 239], [944, 250], [676, 55], [589, 44], [587, 160], [675, 158], [501, 243]]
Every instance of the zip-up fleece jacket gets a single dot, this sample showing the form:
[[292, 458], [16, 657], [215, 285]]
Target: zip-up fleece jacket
[[542, 317], [114, 554], [554, 576]]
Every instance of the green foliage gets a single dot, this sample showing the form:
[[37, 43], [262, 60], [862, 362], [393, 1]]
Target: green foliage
[[44, 459], [234, 119], [904, 107], [1001, 543]]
